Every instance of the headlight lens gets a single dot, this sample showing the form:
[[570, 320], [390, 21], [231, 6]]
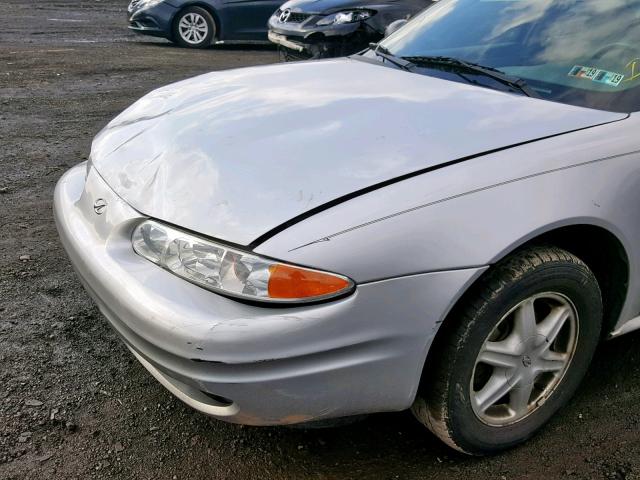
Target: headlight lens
[[233, 272], [141, 4], [349, 16]]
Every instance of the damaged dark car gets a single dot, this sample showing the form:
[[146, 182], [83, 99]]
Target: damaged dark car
[[306, 29]]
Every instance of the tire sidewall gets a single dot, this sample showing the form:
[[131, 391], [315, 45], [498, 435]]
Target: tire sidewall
[[569, 280], [211, 24]]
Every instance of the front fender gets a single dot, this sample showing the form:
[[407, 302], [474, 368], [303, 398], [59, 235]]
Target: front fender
[[476, 212]]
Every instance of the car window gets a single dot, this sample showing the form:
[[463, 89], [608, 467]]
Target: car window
[[582, 52]]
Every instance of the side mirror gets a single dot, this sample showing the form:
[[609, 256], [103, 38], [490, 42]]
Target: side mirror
[[394, 26]]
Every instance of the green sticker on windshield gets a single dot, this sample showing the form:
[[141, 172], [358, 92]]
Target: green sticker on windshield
[[608, 78], [596, 75]]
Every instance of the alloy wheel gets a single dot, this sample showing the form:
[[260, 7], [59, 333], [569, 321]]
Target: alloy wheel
[[193, 28], [524, 359]]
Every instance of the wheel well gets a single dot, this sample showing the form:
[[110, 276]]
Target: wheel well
[[603, 253], [204, 6]]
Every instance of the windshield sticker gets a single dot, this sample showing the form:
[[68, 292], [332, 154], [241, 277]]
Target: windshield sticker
[[608, 78], [612, 79], [583, 72]]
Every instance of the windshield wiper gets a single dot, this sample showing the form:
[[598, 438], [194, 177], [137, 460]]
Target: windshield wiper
[[498, 75], [382, 52]]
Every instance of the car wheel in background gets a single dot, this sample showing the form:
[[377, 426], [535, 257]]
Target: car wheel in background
[[194, 27], [513, 353]]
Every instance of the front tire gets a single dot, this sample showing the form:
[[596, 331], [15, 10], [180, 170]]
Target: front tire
[[194, 27], [513, 353]]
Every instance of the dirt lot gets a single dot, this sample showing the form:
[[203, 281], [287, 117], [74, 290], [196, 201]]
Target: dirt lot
[[74, 403]]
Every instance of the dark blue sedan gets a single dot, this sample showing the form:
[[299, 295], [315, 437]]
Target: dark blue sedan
[[199, 23]]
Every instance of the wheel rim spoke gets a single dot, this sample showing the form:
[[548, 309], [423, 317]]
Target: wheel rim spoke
[[553, 323], [496, 388], [500, 354], [525, 321], [552, 362], [519, 399]]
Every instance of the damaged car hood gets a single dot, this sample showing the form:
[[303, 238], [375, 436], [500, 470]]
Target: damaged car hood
[[327, 6], [235, 154]]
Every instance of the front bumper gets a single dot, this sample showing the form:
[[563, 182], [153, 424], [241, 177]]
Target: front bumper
[[244, 363], [309, 27], [320, 41], [155, 21]]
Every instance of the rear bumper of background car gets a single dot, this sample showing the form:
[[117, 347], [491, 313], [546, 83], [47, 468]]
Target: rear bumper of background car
[[244, 363]]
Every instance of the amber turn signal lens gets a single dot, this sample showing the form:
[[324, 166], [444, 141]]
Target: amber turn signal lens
[[287, 282]]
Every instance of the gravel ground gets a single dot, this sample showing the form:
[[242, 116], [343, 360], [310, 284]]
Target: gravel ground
[[74, 403]]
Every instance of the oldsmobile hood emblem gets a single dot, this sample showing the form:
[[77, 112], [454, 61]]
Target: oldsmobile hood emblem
[[99, 206]]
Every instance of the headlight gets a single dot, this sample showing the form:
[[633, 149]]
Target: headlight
[[233, 272], [142, 4], [350, 16]]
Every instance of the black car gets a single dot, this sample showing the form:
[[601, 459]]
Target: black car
[[199, 23], [333, 28]]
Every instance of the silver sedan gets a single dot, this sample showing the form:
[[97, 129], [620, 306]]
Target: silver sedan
[[447, 222]]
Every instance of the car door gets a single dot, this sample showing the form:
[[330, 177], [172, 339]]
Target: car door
[[247, 19]]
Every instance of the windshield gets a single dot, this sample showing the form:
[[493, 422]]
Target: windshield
[[581, 52]]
